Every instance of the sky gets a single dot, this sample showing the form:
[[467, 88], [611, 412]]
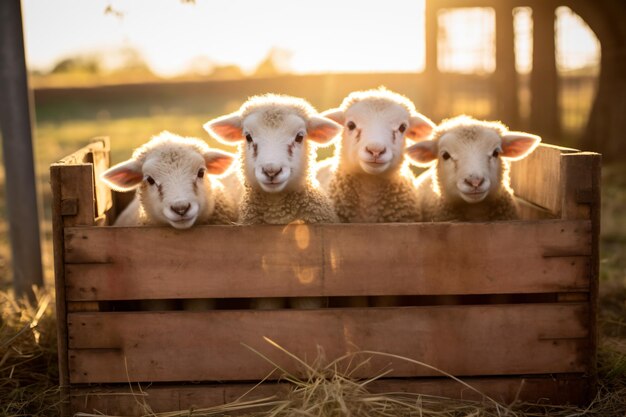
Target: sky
[[324, 35], [321, 36]]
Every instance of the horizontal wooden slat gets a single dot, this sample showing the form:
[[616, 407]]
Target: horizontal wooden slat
[[207, 346], [565, 389], [110, 263]]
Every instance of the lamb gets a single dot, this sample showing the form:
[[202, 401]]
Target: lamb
[[469, 179], [274, 133], [169, 174], [368, 178]]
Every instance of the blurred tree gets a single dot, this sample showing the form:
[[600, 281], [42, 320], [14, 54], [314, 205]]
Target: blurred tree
[[275, 63], [78, 64], [607, 123], [201, 65], [128, 61], [227, 71]]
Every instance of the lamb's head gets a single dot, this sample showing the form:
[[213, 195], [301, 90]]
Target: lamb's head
[[376, 126], [172, 178], [274, 133], [472, 156]]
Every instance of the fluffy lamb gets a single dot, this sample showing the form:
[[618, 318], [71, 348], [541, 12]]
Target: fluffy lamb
[[275, 158], [368, 178], [172, 188], [469, 179], [274, 133]]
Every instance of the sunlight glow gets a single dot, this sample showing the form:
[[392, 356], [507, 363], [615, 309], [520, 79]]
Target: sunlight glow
[[523, 23], [325, 35], [467, 40], [576, 45]]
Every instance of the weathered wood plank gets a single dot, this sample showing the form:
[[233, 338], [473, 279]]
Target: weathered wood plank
[[59, 287], [71, 181], [327, 260], [537, 178], [77, 186], [209, 346], [577, 182], [113, 400]]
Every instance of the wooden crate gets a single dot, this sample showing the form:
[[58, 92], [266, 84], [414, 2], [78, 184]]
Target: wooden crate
[[523, 325]]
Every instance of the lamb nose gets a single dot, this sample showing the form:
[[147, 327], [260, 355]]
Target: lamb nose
[[474, 182], [272, 172], [181, 209], [375, 152]]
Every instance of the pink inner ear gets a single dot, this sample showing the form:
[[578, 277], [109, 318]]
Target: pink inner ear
[[322, 130], [124, 178], [217, 164], [420, 131], [422, 152], [519, 146], [227, 131]]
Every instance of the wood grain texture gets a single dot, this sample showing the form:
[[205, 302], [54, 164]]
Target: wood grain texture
[[537, 178], [209, 346], [59, 287], [579, 191], [72, 204], [119, 400], [327, 260]]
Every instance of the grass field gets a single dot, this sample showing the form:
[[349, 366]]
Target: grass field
[[67, 118]]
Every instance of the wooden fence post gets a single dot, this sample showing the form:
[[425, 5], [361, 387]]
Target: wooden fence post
[[17, 147]]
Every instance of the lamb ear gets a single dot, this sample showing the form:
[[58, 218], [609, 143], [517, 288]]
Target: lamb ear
[[217, 162], [226, 129], [124, 176], [517, 145], [321, 129], [336, 115], [422, 153], [420, 127]]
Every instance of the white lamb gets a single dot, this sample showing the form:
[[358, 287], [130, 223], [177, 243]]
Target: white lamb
[[169, 174], [274, 134], [469, 179], [368, 178]]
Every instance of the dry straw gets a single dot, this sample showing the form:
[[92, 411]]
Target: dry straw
[[28, 356], [327, 390]]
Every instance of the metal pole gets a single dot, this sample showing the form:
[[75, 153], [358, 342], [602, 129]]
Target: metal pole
[[17, 147]]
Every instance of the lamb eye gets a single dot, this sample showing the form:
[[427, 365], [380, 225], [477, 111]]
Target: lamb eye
[[299, 137], [201, 173], [495, 153], [402, 128], [445, 156], [150, 180], [249, 137], [351, 125]]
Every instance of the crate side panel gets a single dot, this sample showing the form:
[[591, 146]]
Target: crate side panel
[[210, 346], [537, 177], [570, 389], [327, 260]]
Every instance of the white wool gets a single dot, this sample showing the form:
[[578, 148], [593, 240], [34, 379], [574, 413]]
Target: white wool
[[368, 178], [470, 176], [275, 134], [173, 182]]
